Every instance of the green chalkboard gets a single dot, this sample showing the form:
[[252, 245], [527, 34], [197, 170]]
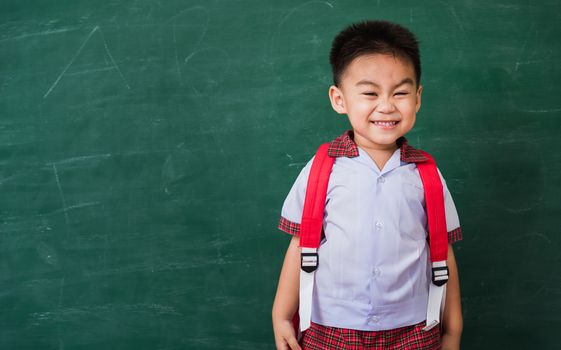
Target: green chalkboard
[[146, 148]]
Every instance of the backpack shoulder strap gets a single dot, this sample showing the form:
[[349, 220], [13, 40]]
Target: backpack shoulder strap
[[434, 197], [310, 232], [314, 204]]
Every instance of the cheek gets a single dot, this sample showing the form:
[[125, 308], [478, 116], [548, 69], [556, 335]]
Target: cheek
[[363, 106], [408, 107]]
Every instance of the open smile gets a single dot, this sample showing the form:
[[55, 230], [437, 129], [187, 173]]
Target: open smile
[[385, 124]]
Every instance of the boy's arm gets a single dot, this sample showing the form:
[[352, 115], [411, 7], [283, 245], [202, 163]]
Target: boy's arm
[[286, 300], [452, 320]]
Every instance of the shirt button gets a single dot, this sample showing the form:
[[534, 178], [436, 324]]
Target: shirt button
[[376, 272], [379, 225], [381, 179], [374, 319]]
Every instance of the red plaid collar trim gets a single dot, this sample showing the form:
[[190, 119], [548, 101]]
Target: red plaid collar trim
[[344, 146]]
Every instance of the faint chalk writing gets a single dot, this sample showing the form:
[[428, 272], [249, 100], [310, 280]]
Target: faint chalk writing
[[80, 49]]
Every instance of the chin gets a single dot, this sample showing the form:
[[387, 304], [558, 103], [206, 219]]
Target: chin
[[384, 140]]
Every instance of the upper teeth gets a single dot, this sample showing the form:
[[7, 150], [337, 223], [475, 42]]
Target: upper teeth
[[384, 123]]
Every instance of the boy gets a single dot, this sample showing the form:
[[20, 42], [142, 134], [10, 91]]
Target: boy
[[371, 286]]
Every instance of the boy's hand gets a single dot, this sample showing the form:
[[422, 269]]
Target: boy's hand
[[286, 300], [285, 337]]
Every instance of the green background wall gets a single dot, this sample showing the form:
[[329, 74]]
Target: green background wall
[[146, 148]]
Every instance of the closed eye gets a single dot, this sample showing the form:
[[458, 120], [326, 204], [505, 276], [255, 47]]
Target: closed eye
[[401, 93], [370, 93]]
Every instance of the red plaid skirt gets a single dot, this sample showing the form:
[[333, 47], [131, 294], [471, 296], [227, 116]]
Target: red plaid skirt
[[319, 337]]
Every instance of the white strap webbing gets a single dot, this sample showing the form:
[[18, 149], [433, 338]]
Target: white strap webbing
[[435, 307], [436, 301], [306, 291]]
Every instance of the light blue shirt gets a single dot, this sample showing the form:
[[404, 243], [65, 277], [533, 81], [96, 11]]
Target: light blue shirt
[[373, 269]]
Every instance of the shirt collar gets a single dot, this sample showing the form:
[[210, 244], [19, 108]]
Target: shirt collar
[[344, 146]]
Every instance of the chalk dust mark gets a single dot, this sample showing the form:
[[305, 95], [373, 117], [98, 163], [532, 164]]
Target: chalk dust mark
[[523, 49], [9, 178], [88, 71], [192, 54], [174, 30], [106, 61], [81, 159], [96, 28], [43, 33], [285, 18], [294, 9], [60, 341], [197, 93], [176, 55], [517, 211], [77, 206], [112, 59], [65, 208], [220, 75], [456, 18], [529, 62], [115, 65], [195, 8], [551, 110], [61, 292], [189, 9]]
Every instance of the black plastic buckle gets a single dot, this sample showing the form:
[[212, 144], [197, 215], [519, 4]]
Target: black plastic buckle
[[309, 261], [439, 279]]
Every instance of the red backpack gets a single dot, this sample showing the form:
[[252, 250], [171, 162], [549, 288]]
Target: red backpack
[[311, 229]]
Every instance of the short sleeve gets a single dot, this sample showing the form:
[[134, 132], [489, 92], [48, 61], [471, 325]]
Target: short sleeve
[[452, 219], [291, 213]]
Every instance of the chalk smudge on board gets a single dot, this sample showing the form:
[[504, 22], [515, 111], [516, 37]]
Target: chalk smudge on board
[[65, 208], [80, 49], [71, 61]]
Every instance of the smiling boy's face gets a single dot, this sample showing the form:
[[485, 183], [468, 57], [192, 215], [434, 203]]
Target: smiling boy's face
[[379, 94]]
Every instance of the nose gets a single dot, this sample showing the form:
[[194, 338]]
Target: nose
[[385, 105]]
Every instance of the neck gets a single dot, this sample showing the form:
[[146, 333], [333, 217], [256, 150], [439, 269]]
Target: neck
[[381, 157], [380, 154]]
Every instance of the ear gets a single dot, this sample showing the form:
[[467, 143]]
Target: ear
[[337, 99], [418, 103]]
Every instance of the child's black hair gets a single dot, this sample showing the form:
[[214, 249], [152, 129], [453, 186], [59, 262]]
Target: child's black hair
[[372, 37]]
